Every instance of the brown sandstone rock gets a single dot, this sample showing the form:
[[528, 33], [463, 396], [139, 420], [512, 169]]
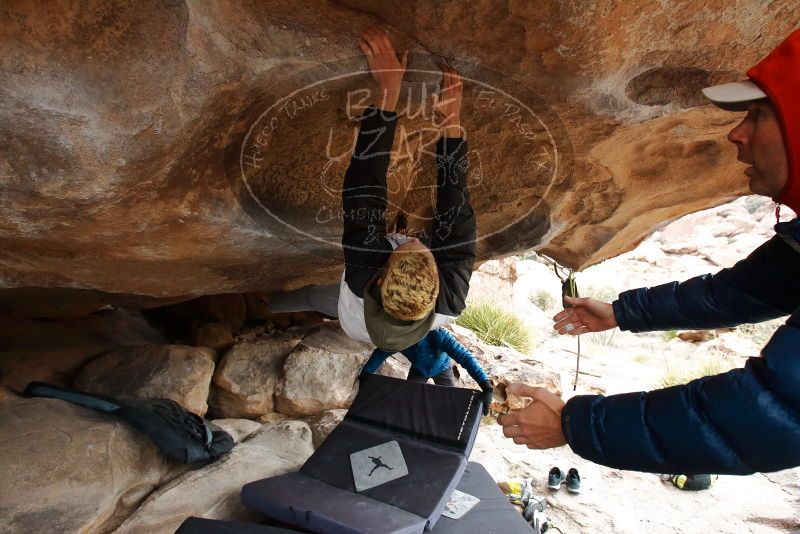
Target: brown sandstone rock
[[320, 374], [395, 366], [55, 351], [122, 126], [176, 372], [213, 491], [495, 279], [323, 424], [217, 336], [239, 429], [245, 379], [272, 417], [7, 394], [66, 468], [504, 364]]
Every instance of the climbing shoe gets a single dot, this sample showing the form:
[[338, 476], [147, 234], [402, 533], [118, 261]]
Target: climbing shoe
[[573, 481], [555, 479], [693, 482]]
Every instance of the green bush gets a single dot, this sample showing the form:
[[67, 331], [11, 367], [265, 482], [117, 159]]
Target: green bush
[[669, 335], [496, 326], [542, 300]]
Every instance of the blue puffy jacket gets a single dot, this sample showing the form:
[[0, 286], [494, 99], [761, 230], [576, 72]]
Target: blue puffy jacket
[[739, 422], [432, 356]]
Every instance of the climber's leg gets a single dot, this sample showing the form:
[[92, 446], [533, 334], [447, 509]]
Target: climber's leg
[[324, 299]]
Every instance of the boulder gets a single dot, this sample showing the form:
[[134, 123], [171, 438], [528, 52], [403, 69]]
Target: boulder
[[55, 351], [246, 377], [494, 280], [216, 336], [323, 424], [504, 364], [213, 491], [272, 417], [239, 429], [176, 372], [395, 366], [321, 373], [66, 468]]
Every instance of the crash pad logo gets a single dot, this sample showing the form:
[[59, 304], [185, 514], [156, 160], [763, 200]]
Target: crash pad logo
[[287, 152], [378, 465]]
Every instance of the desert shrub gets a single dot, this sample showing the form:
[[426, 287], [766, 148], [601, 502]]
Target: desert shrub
[[688, 370], [760, 333], [669, 335], [496, 326], [543, 300]]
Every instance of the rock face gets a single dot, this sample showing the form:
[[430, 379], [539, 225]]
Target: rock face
[[140, 156], [245, 381], [175, 372], [214, 490], [66, 468], [55, 351], [504, 364]]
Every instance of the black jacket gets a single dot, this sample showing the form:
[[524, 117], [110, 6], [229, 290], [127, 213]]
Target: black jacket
[[739, 422], [366, 248]]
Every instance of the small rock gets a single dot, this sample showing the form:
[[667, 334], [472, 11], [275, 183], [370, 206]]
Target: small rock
[[178, 372], [395, 367], [503, 401], [696, 336]]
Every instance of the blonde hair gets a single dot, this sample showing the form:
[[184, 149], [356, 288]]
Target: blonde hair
[[410, 285]]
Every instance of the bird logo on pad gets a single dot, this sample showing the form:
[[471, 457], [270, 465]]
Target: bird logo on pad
[[378, 465]]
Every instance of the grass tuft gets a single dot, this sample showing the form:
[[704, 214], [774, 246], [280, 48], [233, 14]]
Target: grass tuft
[[496, 326]]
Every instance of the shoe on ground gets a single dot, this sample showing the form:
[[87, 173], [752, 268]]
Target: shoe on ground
[[573, 481], [555, 479]]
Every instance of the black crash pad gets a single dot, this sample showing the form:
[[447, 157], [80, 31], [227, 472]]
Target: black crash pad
[[434, 427], [492, 515]]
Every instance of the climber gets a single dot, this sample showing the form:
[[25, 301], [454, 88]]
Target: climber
[[430, 358], [739, 422], [395, 289]]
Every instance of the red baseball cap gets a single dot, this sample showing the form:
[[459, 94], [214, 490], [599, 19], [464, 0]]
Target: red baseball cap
[[776, 77]]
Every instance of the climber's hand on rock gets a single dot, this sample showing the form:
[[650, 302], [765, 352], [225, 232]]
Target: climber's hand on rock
[[538, 425], [585, 315], [447, 104], [387, 70]]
